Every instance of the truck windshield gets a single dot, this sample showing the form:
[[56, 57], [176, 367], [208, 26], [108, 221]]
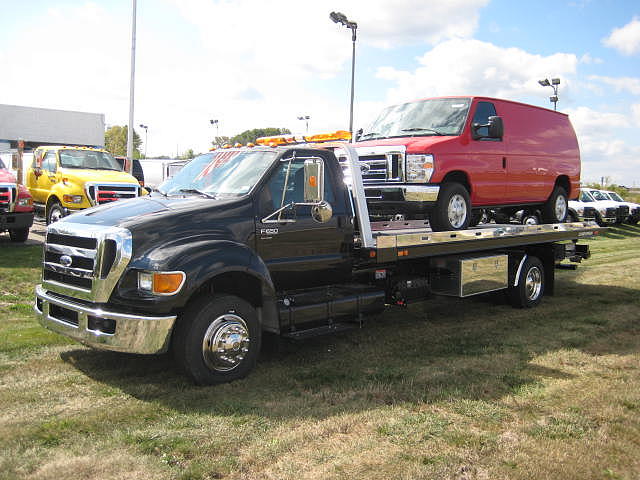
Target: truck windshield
[[436, 116], [598, 195], [88, 159], [615, 197], [221, 173]]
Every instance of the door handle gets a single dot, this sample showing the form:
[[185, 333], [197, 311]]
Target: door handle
[[504, 162]]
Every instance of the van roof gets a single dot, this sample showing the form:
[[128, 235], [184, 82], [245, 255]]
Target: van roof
[[493, 99]]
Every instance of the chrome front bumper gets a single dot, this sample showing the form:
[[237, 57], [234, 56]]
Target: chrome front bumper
[[131, 333], [408, 193]]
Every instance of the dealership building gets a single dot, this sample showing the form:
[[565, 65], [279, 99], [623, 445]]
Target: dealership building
[[44, 126]]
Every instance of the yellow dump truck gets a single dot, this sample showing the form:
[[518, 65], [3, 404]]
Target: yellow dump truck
[[64, 179]]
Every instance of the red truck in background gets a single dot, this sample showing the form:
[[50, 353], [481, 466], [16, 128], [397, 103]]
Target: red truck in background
[[16, 206], [449, 158]]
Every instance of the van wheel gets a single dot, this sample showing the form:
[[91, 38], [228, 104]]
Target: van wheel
[[217, 339], [557, 207], [452, 210], [530, 288], [530, 218], [54, 212], [19, 234]]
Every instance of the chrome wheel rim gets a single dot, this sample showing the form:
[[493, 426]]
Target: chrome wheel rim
[[561, 207], [225, 343], [56, 214], [457, 211], [533, 283]]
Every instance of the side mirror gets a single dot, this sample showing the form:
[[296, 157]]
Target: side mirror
[[496, 127], [313, 181]]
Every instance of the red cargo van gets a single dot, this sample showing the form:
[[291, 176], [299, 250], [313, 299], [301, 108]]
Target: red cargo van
[[449, 158]]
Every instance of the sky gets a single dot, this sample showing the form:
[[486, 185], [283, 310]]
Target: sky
[[255, 63]]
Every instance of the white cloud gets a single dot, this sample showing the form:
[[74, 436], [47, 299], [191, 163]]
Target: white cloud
[[462, 67], [625, 39], [629, 84]]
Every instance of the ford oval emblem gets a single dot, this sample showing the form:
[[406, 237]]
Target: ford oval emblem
[[66, 260]]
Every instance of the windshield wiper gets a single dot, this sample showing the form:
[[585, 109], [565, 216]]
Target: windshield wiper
[[370, 134], [420, 129], [195, 190]]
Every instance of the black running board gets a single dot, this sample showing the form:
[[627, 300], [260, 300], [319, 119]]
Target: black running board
[[319, 331]]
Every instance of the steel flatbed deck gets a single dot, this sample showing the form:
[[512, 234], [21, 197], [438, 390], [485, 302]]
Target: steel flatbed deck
[[392, 244]]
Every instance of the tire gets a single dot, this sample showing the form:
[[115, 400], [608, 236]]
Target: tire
[[530, 289], [233, 324], [19, 235], [557, 207], [452, 210], [530, 218], [477, 217], [572, 217], [54, 212]]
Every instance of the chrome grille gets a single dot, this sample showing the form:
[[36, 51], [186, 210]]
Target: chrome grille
[[84, 261], [8, 196], [623, 211], [101, 193], [380, 164]]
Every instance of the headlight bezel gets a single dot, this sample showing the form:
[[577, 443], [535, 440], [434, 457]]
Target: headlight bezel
[[419, 167]]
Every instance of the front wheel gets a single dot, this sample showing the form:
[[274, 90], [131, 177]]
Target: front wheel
[[217, 339], [452, 210], [530, 288], [557, 207], [19, 235], [54, 212]]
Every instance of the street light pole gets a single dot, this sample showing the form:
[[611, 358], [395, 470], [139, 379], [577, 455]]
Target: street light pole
[[341, 18], [215, 122], [306, 119], [146, 138], [553, 84], [131, 88]]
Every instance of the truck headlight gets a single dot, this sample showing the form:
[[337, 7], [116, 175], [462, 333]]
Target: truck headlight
[[25, 202], [161, 283], [419, 168], [72, 198]]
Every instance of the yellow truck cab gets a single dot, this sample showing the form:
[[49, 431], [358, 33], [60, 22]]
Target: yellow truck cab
[[65, 179]]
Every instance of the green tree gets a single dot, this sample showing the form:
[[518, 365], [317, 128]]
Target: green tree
[[187, 155], [250, 136], [115, 141]]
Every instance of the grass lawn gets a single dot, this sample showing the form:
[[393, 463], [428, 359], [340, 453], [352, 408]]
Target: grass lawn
[[445, 389]]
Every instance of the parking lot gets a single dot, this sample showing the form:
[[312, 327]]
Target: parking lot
[[36, 234]]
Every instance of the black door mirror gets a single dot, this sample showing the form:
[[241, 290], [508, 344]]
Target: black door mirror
[[496, 127]]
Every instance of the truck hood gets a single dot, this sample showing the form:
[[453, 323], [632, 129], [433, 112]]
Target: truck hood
[[137, 212], [7, 177], [80, 175], [418, 144]]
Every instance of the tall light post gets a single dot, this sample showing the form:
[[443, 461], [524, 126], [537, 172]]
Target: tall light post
[[131, 88], [553, 84], [341, 18], [146, 138], [215, 122], [306, 119]]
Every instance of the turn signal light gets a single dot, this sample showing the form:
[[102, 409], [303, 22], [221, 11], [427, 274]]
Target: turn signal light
[[167, 283]]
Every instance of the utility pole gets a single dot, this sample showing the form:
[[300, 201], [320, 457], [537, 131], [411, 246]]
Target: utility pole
[[19, 166], [131, 90]]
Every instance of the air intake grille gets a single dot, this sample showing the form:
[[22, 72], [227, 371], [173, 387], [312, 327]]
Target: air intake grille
[[105, 193]]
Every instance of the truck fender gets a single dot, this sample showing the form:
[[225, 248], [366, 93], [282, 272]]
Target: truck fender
[[216, 265]]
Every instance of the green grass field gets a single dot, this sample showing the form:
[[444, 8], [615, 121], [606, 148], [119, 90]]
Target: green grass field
[[446, 389]]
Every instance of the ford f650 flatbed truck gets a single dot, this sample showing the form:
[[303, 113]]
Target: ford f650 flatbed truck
[[268, 239]]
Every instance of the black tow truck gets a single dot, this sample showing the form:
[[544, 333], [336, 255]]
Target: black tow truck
[[268, 239]]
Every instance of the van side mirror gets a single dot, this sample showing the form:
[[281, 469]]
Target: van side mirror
[[496, 127], [313, 180]]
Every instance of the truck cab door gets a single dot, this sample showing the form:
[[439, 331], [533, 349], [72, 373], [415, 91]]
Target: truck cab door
[[46, 178], [301, 251]]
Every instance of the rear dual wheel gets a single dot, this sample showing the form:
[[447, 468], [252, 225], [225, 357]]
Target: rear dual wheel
[[530, 288]]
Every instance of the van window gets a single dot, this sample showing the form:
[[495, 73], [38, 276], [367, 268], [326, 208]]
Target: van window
[[484, 110]]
